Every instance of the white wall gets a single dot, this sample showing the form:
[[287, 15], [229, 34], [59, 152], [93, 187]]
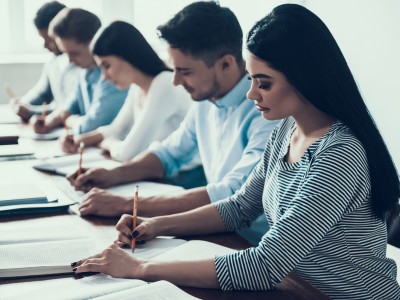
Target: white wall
[[20, 76], [368, 33]]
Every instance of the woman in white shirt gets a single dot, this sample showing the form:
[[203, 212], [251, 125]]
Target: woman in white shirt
[[126, 60]]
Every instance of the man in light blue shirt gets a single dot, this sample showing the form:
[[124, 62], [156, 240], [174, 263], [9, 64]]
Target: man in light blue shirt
[[223, 126], [59, 77], [96, 102]]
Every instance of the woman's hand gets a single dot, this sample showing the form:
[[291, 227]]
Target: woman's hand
[[113, 261], [147, 229], [90, 178]]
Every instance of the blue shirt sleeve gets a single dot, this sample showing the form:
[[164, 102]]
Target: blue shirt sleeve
[[257, 135], [178, 148], [105, 105]]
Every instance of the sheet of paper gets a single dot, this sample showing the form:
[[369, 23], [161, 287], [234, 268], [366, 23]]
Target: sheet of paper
[[7, 115], [155, 247], [85, 288], [160, 290], [193, 250], [49, 253]]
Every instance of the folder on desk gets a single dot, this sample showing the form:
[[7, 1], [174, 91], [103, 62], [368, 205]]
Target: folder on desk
[[22, 193], [9, 134], [9, 151]]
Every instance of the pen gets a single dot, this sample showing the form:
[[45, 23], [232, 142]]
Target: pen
[[81, 147], [134, 220]]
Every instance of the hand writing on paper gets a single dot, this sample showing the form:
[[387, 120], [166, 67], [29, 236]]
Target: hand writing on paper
[[90, 178], [20, 109], [68, 143], [39, 124], [102, 203], [113, 261], [146, 230]]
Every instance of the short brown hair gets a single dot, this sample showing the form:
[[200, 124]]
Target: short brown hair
[[75, 23]]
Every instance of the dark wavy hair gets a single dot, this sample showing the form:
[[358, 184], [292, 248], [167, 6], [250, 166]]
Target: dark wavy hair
[[206, 31], [125, 41], [294, 41]]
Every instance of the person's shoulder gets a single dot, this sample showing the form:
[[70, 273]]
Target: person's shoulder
[[340, 138]]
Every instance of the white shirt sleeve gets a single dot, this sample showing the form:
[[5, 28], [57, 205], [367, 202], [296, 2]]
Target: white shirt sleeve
[[165, 106]]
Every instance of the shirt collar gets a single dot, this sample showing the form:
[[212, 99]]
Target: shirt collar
[[92, 75], [236, 95]]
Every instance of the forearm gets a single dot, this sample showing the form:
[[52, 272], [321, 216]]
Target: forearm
[[202, 220], [200, 273], [90, 139], [172, 204], [56, 118], [145, 166]]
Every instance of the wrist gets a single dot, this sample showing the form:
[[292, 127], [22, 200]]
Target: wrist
[[162, 226], [149, 271]]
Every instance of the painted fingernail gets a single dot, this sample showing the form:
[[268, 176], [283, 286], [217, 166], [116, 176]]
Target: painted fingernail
[[135, 233], [140, 242], [74, 269], [73, 264]]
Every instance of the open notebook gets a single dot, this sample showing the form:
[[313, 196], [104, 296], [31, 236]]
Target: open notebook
[[99, 286], [42, 248], [53, 255]]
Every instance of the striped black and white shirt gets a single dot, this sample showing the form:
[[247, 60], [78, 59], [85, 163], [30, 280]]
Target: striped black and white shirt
[[321, 221]]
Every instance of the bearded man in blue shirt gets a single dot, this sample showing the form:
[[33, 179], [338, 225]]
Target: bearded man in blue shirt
[[223, 127]]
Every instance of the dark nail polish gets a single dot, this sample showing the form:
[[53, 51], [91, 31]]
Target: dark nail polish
[[73, 264], [140, 242], [135, 233], [74, 269]]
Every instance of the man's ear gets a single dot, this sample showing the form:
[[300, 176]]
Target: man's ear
[[226, 62]]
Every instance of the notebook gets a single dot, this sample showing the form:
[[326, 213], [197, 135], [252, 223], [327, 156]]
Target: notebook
[[68, 164], [53, 256]]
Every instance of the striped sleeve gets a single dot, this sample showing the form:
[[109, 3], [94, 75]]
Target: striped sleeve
[[336, 183]]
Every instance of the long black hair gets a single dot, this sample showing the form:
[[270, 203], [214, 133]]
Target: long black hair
[[294, 41], [125, 41]]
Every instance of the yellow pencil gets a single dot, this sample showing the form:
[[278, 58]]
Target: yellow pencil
[[81, 147], [134, 216]]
